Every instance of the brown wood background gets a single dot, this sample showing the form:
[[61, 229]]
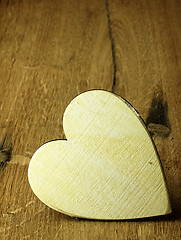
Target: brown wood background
[[50, 51]]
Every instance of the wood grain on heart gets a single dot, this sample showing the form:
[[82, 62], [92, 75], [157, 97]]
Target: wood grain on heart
[[108, 167]]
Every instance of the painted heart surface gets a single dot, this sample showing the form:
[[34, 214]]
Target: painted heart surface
[[107, 168]]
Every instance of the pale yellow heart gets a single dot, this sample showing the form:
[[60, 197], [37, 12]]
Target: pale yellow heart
[[107, 168]]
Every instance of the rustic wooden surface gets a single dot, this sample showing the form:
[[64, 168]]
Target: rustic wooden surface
[[50, 51]]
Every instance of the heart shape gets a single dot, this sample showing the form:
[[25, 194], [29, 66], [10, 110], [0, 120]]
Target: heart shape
[[108, 167]]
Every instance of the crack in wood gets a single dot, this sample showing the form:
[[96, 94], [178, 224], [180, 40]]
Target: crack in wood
[[112, 45]]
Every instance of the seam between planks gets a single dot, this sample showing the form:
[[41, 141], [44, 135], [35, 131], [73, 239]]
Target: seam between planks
[[112, 44]]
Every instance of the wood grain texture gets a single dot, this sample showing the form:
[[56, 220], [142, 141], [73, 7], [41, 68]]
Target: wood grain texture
[[50, 52]]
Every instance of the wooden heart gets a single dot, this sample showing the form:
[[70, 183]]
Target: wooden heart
[[108, 167]]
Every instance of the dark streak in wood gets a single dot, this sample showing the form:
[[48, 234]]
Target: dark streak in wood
[[7, 3], [5, 151], [157, 120], [112, 45]]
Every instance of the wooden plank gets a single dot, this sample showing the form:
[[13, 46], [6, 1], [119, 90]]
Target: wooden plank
[[146, 36], [49, 53]]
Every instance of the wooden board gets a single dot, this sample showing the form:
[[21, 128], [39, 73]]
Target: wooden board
[[52, 51]]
